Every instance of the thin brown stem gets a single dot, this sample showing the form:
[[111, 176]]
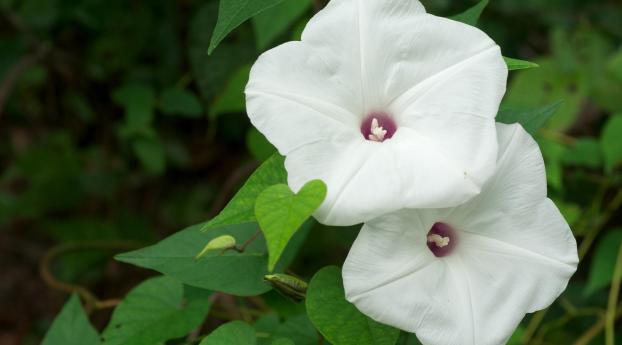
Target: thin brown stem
[[614, 293], [91, 301], [596, 328], [227, 189]]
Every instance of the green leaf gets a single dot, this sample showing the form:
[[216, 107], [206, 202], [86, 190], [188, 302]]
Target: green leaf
[[232, 13], [214, 71], [177, 101], [258, 145], [471, 16], [232, 333], [271, 23], [71, 327], [230, 272], [241, 209], [282, 341], [516, 64], [139, 102], [610, 142], [232, 99], [338, 320], [150, 152], [604, 261], [280, 213], [585, 152], [153, 312], [530, 119]]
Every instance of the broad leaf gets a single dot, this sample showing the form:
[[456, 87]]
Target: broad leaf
[[271, 23], [229, 272], [280, 213], [516, 64], [232, 333], [338, 320], [471, 16], [604, 261], [530, 119], [232, 13], [610, 142], [282, 341], [241, 209], [177, 101], [71, 327], [153, 312]]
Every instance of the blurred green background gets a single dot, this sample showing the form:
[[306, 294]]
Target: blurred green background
[[117, 129]]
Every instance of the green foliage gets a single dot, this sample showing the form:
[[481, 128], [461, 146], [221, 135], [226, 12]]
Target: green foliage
[[231, 272], [177, 101], [584, 152], [232, 99], [280, 213], [471, 16], [241, 208], [232, 333], [610, 142], [604, 261], [71, 327], [153, 312], [338, 320], [530, 119], [271, 23], [232, 13], [220, 243], [258, 145]]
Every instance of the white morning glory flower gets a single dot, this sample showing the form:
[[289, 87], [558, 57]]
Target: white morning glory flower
[[390, 106], [467, 275]]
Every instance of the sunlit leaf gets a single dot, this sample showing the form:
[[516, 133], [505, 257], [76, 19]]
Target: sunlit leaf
[[280, 213]]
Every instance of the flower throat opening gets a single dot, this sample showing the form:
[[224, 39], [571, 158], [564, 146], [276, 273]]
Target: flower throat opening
[[441, 239], [378, 127]]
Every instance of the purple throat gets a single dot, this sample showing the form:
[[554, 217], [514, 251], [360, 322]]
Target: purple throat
[[378, 126], [442, 239]]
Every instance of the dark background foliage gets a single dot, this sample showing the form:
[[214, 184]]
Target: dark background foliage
[[117, 129]]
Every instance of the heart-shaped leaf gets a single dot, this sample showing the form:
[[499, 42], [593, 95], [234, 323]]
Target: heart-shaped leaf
[[280, 213], [71, 326]]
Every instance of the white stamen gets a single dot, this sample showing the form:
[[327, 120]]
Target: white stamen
[[377, 132], [439, 240]]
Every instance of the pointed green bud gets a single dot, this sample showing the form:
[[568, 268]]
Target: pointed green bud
[[223, 242], [289, 286]]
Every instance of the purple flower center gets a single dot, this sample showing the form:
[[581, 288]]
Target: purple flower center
[[378, 126], [442, 239]]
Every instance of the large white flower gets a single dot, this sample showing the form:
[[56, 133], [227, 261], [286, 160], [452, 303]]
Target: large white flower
[[390, 106], [467, 275]]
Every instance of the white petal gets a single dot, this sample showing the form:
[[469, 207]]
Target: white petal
[[367, 179], [294, 97], [515, 255], [392, 276]]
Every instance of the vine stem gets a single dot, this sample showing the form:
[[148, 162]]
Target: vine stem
[[596, 328], [614, 292], [91, 301]]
